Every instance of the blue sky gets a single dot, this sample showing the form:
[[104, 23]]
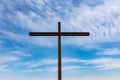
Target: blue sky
[[96, 57]]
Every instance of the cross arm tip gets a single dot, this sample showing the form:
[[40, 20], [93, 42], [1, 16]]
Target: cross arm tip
[[88, 33], [29, 33]]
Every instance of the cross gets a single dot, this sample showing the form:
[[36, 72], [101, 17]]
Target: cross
[[59, 34]]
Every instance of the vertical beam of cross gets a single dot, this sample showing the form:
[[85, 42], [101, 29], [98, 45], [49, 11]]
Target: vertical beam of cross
[[59, 34], [59, 53]]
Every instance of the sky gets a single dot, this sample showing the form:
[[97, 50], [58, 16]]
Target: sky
[[94, 57]]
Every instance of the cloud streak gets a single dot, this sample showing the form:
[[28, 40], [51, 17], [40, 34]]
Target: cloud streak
[[105, 63], [113, 51], [50, 65], [102, 21]]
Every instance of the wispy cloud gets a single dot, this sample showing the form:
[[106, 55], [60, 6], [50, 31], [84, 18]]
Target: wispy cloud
[[54, 69], [111, 51], [102, 21], [42, 62], [5, 59], [46, 62], [105, 63], [9, 35], [3, 68], [11, 58], [71, 78], [64, 68], [100, 78], [50, 65]]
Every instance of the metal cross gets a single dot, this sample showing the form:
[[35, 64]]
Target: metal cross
[[59, 34]]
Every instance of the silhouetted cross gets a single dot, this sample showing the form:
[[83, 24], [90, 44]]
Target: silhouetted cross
[[59, 34]]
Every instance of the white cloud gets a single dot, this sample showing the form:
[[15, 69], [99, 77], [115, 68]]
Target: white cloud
[[25, 78], [70, 60], [9, 59], [112, 51], [44, 62], [100, 78], [50, 64], [1, 10], [3, 68], [5, 59], [70, 78], [68, 68], [13, 36], [14, 53], [101, 21], [54, 69], [19, 53], [105, 63], [64, 68], [9, 35]]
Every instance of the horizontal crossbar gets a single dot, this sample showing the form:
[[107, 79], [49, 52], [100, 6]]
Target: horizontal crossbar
[[59, 34]]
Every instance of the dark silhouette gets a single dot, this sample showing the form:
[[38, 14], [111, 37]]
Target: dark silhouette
[[59, 34]]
